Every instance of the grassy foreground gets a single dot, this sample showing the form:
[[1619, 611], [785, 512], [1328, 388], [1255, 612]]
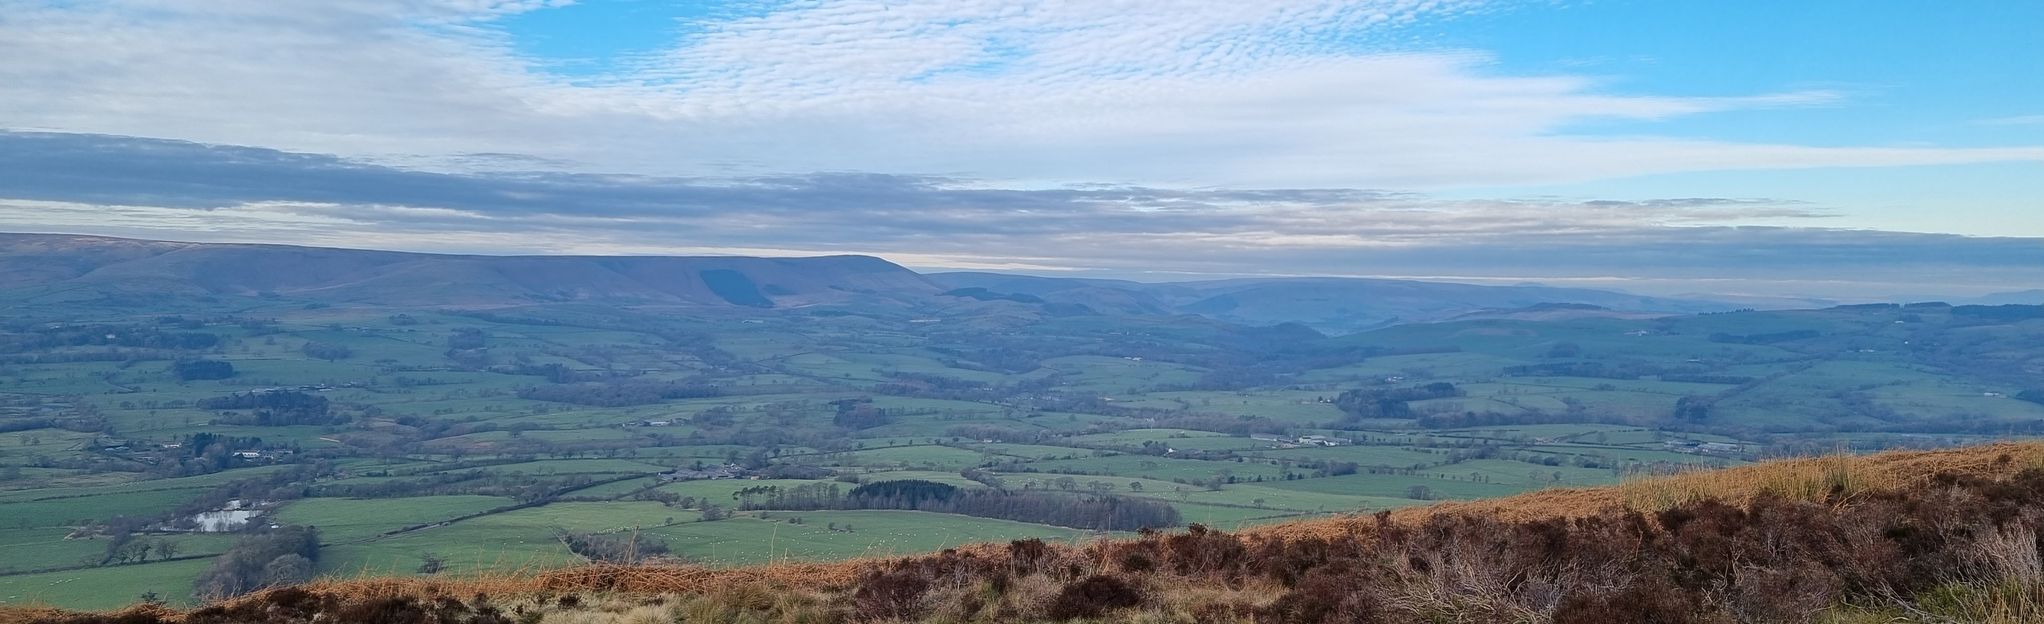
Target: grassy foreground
[[1940, 536]]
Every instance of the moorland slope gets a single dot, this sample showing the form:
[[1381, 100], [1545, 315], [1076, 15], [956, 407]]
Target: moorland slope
[[1926, 536]]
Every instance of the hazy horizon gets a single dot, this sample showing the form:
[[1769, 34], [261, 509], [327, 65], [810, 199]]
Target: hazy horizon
[[1703, 289]]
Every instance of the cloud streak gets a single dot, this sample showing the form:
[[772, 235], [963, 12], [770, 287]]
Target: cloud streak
[[157, 188], [1286, 93], [99, 169], [1216, 137]]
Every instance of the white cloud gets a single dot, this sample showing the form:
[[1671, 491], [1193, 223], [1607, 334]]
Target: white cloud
[[187, 191], [1185, 93], [1627, 245]]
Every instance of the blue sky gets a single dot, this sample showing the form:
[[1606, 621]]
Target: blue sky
[[593, 39], [1902, 143], [1946, 74], [1910, 71], [1917, 72]]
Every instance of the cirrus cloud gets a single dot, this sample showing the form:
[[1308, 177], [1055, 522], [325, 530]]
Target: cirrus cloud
[[1333, 93]]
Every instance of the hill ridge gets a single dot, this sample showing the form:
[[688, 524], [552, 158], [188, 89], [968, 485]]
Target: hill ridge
[[80, 266], [41, 268]]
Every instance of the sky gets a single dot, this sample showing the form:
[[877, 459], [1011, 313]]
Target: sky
[[1822, 148]]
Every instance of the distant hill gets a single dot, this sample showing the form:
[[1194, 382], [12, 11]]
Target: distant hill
[[47, 269], [1340, 305], [83, 268], [1764, 302], [2022, 297], [1555, 312]]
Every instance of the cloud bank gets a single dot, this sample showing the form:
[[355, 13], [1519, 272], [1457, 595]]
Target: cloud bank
[[176, 189], [1212, 137]]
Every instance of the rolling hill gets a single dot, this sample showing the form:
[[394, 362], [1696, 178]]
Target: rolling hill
[[501, 425], [1336, 305], [2022, 297], [82, 268], [59, 269]]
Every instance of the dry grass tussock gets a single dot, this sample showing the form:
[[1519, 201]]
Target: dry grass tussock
[[1834, 478], [35, 614], [605, 578], [1530, 558]]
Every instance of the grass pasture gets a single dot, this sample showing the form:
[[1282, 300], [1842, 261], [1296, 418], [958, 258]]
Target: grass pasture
[[436, 418]]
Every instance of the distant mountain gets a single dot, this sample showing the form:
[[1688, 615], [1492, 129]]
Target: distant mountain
[[1338, 305], [84, 268], [2024, 297]]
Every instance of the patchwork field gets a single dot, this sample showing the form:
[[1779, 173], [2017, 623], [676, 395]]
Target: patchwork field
[[438, 442]]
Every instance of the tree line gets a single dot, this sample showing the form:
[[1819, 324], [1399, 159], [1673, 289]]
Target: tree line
[[616, 548], [133, 336], [197, 370], [277, 557], [274, 408], [1366, 403], [620, 393], [1095, 512]]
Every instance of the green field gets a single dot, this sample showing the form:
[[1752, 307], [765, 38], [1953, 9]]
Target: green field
[[352, 519], [484, 440]]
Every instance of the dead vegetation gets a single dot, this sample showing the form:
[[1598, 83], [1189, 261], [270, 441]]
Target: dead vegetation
[[1943, 536], [1806, 478]]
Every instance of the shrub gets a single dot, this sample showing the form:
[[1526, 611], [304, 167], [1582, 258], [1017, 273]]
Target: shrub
[[276, 558], [327, 351], [895, 594], [1094, 596], [196, 370]]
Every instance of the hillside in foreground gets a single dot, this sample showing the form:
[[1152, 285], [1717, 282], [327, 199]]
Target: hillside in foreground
[[1926, 536]]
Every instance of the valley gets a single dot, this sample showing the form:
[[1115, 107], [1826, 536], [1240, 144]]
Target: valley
[[740, 411]]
